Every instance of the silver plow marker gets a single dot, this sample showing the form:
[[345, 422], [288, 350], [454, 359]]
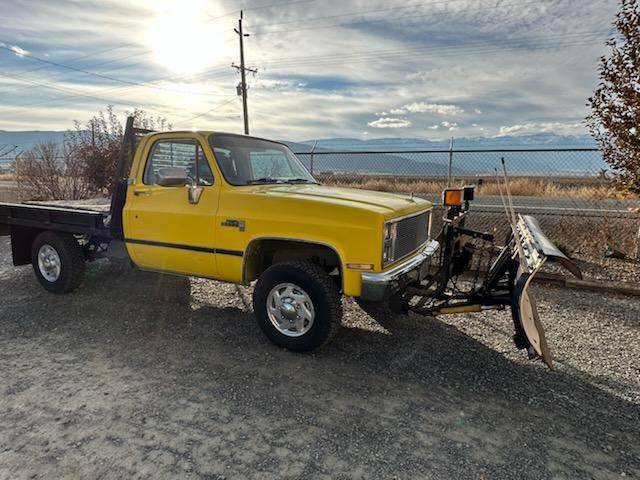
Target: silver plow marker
[[534, 250]]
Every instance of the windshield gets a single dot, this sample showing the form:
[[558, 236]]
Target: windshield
[[251, 161]]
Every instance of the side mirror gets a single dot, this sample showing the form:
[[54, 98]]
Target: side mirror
[[172, 177]]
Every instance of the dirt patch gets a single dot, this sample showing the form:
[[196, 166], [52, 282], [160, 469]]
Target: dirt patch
[[148, 376], [8, 194]]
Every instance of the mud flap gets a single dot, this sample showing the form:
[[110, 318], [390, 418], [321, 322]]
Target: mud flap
[[536, 249]]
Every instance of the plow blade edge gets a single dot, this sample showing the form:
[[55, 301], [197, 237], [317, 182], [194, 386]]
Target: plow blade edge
[[536, 249]]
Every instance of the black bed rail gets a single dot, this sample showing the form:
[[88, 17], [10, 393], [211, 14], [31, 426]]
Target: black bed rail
[[53, 218]]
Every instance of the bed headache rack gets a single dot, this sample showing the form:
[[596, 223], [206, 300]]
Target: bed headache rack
[[130, 142]]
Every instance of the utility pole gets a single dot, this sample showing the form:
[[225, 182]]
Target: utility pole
[[242, 88]]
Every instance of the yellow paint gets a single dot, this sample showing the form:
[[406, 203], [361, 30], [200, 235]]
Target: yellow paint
[[350, 221]]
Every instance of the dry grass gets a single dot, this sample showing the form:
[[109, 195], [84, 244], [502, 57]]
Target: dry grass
[[582, 188], [7, 177]]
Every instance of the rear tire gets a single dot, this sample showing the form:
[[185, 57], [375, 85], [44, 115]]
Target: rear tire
[[297, 305], [58, 261]]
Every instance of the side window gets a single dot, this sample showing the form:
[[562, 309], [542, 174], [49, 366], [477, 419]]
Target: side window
[[185, 154]]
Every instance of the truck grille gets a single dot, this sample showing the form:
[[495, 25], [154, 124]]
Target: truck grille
[[412, 232]]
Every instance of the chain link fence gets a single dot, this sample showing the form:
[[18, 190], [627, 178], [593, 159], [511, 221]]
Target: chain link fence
[[568, 190]]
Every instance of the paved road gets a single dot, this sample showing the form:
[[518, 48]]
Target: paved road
[[552, 205]]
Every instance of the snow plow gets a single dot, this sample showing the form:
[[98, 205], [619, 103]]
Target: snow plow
[[505, 283]]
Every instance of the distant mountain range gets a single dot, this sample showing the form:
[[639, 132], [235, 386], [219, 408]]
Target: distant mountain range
[[531, 141], [28, 139], [399, 163]]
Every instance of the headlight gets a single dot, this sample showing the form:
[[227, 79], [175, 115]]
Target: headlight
[[388, 246]]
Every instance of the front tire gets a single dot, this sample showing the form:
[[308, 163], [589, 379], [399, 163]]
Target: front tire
[[58, 261], [297, 305]]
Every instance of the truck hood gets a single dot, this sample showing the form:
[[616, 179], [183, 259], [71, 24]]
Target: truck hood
[[388, 204]]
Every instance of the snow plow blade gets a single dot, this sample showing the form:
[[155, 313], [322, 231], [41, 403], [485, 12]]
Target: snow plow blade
[[536, 249]]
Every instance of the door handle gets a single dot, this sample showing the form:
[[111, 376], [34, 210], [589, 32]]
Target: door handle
[[137, 193]]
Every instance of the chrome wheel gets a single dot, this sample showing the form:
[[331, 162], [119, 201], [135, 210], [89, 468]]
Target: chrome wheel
[[290, 309], [49, 263]]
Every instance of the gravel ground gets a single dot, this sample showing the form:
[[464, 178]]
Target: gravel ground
[[147, 376]]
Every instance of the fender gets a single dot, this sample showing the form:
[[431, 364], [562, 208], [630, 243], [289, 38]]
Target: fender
[[251, 246]]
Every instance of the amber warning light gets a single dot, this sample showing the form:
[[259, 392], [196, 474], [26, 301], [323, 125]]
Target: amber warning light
[[452, 197]]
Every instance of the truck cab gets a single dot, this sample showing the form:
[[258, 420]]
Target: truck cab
[[228, 207]]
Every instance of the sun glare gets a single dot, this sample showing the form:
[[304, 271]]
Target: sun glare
[[183, 36]]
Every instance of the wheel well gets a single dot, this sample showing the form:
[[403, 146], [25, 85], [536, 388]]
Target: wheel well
[[22, 239], [263, 253]]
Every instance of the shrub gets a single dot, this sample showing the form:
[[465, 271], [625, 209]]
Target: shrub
[[48, 172]]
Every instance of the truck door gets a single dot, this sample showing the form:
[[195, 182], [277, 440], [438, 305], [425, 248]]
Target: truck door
[[171, 228]]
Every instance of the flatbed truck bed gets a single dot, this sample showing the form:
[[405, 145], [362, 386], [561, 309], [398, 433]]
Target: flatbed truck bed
[[79, 221]]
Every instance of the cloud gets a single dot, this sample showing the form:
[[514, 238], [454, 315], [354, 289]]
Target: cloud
[[389, 122], [21, 52], [422, 107], [544, 127], [450, 125], [418, 76], [280, 85]]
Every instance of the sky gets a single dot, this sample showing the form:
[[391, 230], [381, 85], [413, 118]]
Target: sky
[[325, 68]]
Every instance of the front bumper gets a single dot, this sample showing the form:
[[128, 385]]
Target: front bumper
[[377, 287]]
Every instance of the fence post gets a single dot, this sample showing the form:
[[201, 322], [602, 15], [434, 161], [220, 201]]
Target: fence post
[[450, 171], [311, 157]]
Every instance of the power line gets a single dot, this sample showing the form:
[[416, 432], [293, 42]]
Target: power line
[[349, 14], [387, 18], [80, 94], [150, 50], [99, 75], [451, 54], [211, 110], [411, 51], [443, 51], [10, 148], [148, 84], [99, 52]]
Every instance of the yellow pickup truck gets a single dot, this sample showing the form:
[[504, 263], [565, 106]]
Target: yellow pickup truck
[[242, 209]]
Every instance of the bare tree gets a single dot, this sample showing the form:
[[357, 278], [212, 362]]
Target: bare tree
[[46, 172], [615, 105], [85, 165], [96, 144]]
